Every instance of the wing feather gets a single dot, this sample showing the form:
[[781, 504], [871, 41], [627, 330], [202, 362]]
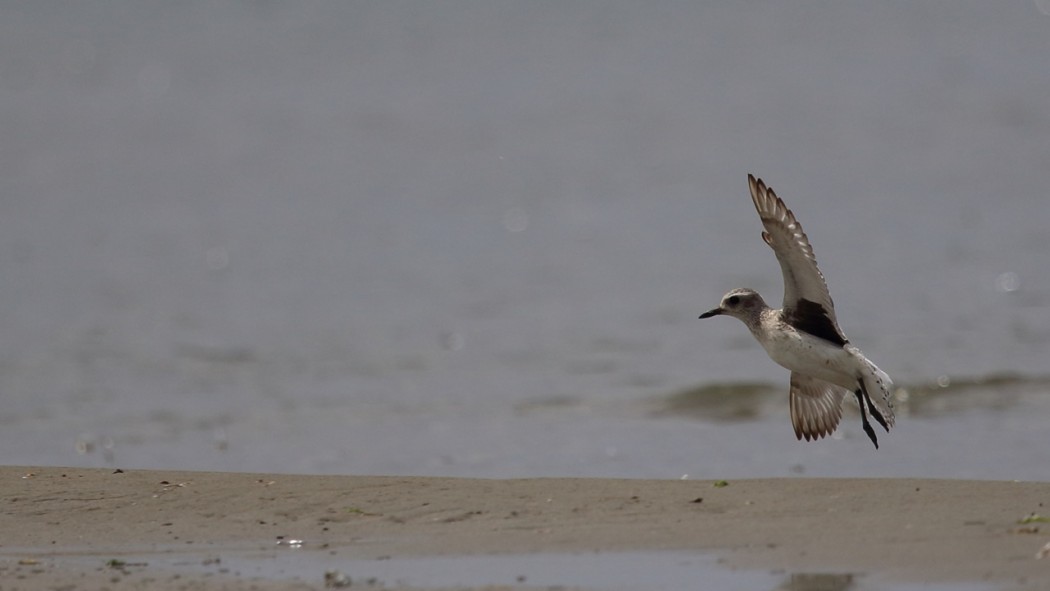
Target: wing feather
[[802, 278], [816, 406]]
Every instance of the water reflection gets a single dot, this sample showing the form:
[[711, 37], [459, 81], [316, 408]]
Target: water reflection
[[817, 582], [720, 402], [747, 401], [996, 392]]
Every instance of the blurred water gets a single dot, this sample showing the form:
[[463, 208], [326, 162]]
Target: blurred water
[[659, 571], [473, 238]]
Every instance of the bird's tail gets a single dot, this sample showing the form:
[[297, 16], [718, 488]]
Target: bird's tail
[[879, 388]]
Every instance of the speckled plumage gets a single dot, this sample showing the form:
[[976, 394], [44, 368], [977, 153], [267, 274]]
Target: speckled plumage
[[804, 335]]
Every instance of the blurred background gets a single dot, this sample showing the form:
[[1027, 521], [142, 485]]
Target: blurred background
[[473, 238]]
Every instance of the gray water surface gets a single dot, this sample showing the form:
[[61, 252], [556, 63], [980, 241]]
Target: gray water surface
[[473, 238], [605, 571]]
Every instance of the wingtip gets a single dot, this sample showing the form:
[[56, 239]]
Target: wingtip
[[756, 184], [769, 205], [761, 195]]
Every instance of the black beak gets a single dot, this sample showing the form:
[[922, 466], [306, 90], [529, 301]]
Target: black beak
[[714, 312]]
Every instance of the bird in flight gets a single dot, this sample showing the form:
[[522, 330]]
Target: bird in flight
[[804, 335]]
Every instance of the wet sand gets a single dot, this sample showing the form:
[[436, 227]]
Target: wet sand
[[69, 528]]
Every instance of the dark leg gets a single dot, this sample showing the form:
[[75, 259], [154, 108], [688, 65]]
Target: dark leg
[[878, 416], [874, 410], [864, 418]]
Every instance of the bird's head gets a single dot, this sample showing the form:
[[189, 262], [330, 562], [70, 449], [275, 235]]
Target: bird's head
[[741, 303]]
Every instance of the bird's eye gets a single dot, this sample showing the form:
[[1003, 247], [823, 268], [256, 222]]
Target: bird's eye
[[733, 300]]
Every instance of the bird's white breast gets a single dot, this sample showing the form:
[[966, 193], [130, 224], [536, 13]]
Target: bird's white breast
[[811, 356]]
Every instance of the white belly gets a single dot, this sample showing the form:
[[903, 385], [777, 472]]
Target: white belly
[[814, 357]]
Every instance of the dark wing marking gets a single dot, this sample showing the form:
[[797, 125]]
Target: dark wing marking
[[811, 317]]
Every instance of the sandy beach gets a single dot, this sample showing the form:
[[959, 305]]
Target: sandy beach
[[90, 528]]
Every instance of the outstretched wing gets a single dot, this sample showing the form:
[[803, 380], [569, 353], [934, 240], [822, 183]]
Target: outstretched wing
[[816, 406], [807, 303]]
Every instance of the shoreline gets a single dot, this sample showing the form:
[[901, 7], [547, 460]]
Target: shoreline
[[911, 530]]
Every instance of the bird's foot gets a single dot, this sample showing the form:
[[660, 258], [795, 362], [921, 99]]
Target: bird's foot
[[864, 417]]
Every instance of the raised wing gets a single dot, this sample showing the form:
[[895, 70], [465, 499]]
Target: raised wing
[[807, 303], [816, 406]]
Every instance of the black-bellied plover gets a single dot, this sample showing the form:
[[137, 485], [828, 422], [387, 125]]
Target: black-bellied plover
[[804, 336]]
